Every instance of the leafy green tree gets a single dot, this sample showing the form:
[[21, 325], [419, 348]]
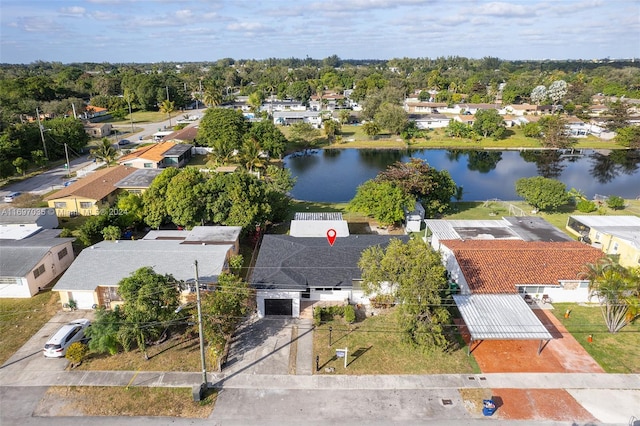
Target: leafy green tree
[[154, 198], [279, 179], [344, 115], [384, 201], [628, 137], [270, 137], [542, 193], [618, 291], [618, 115], [111, 233], [615, 202], [586, 206], [391, 117], [300, 90], [223, 130], [433, 188], [489, 122], [131, 208], [532, 130], [21, 165], [456, 129], [38, 158], [65, 130], [555, 133], [184, 198], [105, 152], [304, 134], [414, 275], [331, 128], [90, 231], [255, 101], [103, 333], [371, 128], [223, 309], [150, 300]]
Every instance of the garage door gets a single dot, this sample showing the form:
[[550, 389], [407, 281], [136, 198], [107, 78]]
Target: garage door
[[84, 299], [278, 307]]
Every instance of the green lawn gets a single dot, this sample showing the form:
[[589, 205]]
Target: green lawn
[[616, 353], [145, 117], [375, 347]]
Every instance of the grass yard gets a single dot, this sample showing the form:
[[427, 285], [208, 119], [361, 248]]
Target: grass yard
[[375, 347], [616, 353], [118, 401], [144, 117], [22, 318]]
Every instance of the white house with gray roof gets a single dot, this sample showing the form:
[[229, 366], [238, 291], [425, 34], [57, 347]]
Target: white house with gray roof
[[290, 271], [94, 277], [31, 263]]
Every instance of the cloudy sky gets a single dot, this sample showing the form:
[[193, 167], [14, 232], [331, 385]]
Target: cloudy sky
[[207, 30]]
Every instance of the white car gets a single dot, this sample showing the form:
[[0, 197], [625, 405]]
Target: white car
[[10, 197], [72, 332]]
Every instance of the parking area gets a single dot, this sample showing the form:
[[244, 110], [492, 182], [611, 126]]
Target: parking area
[[30, 356]]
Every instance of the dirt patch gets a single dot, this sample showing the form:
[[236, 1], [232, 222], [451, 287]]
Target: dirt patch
[[563, 354], [539, 404], [472, 399]]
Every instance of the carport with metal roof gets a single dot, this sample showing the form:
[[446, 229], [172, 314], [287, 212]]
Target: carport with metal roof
[[500, 317]]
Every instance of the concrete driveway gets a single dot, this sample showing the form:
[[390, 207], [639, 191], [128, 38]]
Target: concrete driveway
[[29, 356]]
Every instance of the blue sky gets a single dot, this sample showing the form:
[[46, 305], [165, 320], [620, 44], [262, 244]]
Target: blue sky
[[207, 30]]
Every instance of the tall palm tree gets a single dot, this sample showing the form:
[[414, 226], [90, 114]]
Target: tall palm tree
[[104, 152], [168, 107], [618, 290], [211, 96], [252, 155]]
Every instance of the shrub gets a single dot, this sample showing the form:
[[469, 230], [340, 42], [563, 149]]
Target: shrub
[[382, 301], [66, 232], [76, 353], [614, 202], [349, 314], [586, 206]]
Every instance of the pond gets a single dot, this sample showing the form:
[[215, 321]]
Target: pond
[[332, 175]]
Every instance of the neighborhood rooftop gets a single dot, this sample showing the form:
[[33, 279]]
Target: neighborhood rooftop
[[141, 178], [20, 256], [497, 266], [97, 185], [291, 263], [526, 228]]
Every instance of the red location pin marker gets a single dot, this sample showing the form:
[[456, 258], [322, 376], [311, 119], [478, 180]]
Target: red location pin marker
[[331, 236]]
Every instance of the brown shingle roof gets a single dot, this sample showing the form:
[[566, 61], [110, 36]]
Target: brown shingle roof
[[497, 266], [96, 186], [150, 152]]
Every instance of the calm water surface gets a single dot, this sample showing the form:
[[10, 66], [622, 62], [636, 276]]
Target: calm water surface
[[333, 175]]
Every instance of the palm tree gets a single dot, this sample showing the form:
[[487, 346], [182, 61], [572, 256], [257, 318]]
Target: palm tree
[[168, 107], [211, 97], [618, 290], [252, 155], [104, 152]]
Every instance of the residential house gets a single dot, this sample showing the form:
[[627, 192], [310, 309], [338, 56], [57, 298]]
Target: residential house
[[423, 107], [138, 181], [292, 272], [89, 195], [468, 119], [328, 101], [158, 156], [98, 130], [93, 279], [430, 121], [576, 127], [31, 263], [615, 235], [413, 219], [287, 118], [507, 266], [271, 105], [18, 223], [92, 112], [183, 136], [528, 109]]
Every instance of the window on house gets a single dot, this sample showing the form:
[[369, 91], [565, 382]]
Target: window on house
[[60, 205], [615, 248], [148, 165], [584, 284], [597, 236], [62, 253], [86, 205], [38, 271]]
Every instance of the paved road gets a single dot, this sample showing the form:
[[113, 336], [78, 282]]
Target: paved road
[[260, 386]]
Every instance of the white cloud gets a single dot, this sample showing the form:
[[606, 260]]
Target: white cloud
[[503, 9], [39, 25], [105, 16], [246, 26], [184, 14], [73, 11]]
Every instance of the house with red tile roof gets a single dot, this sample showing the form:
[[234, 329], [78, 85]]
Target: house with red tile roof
[[515, 266]]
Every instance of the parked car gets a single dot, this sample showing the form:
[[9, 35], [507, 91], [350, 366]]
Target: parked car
[[124, 142], [69, 182], [10, 197], [72, 332]]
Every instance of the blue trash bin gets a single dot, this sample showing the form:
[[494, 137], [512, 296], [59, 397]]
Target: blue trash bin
[[488, 407]]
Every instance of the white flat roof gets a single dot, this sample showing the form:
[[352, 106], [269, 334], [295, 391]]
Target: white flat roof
[[318, 228], [606, 221], [18, 232], [500, 317]]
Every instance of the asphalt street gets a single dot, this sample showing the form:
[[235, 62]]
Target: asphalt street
[[258, 387]]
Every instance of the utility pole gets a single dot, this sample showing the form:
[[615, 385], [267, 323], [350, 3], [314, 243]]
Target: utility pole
[[44, 145], [66, 153], [204, 384]]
